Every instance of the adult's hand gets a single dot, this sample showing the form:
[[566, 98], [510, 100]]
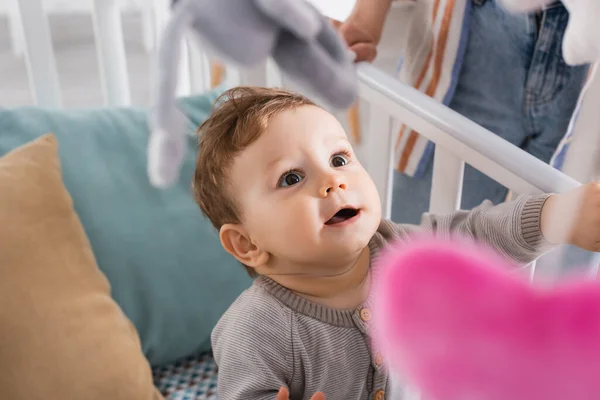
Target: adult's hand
[[359, 40], [363, 29]]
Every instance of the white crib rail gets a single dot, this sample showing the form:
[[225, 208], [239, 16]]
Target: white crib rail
[[458, 140]]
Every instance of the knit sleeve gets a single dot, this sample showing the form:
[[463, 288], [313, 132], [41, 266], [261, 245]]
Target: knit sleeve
[[252, 345], [511, 228]]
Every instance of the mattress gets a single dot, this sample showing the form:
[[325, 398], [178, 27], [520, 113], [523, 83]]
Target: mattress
[[193, 378]]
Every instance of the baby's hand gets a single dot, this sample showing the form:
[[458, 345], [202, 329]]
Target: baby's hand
[[574, 217], [284, 394]]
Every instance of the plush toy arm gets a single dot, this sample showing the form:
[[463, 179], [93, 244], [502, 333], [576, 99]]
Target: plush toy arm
[[323, 65], [311, 51], [298, 17], [167, 141]]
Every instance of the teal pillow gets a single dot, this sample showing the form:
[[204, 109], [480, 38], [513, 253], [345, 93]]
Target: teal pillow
[[162, 257]]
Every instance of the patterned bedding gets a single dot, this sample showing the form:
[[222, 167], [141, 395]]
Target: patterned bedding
[[193, 378]]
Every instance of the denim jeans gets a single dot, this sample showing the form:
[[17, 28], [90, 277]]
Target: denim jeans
[[513, 82]]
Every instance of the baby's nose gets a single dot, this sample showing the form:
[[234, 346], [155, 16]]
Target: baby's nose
[[333, 184]]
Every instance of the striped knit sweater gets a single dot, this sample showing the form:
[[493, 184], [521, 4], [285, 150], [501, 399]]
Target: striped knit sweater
[[434, 49], [271, 337]]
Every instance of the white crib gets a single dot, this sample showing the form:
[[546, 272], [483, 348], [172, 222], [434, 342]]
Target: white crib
[[384, 102]]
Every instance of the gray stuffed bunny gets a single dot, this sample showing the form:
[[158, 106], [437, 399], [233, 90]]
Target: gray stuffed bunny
[[245, 32]]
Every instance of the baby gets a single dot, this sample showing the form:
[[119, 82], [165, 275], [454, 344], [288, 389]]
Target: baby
[[278, 178]]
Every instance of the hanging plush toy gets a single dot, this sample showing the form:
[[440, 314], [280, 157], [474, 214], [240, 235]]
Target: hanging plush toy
[[246, 32], [455, 322]]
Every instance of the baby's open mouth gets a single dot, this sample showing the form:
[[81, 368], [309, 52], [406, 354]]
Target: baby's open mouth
[[343, 215]]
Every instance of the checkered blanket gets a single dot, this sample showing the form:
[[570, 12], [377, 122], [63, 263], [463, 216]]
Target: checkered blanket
[[193, 378]]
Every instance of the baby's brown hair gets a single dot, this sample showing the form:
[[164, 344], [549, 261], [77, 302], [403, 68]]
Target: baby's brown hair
[[240, 116]]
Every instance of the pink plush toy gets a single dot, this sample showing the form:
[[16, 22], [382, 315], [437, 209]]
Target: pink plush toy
[[458, 323]]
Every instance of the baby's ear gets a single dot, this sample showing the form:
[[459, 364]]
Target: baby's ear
[[237, 242], [523, 5]]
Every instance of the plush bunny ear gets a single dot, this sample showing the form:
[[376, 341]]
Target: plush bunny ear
[[524, 5], [167, 143], [452, 319], [326, 68]]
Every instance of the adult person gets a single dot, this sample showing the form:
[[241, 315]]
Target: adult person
[[504, 71]]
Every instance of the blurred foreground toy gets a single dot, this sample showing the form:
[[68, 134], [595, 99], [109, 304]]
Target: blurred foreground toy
[[457, 322]]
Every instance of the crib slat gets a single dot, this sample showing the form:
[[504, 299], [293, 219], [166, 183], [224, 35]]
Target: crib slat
[[447, 181], [15, 28], [148, 27], [274, 75], [39, 54], [254, 76], [532, 269], [199, 68], [184, 88], [377, 144], [264, 74], [110, 46], [581, 162]]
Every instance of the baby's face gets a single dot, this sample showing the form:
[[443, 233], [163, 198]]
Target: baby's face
[[304, 196]]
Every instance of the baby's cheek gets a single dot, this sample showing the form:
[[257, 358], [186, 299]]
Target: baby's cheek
[[292, 240], [297, 223], [371, 196], [258, 220]]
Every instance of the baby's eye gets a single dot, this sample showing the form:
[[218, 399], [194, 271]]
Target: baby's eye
[[339, 160], [290, 179]]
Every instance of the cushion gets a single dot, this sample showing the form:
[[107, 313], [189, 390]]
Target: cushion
[[62, 336], [163, 259]]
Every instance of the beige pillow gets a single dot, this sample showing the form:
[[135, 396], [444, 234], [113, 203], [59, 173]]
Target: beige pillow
[[62, 337]]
